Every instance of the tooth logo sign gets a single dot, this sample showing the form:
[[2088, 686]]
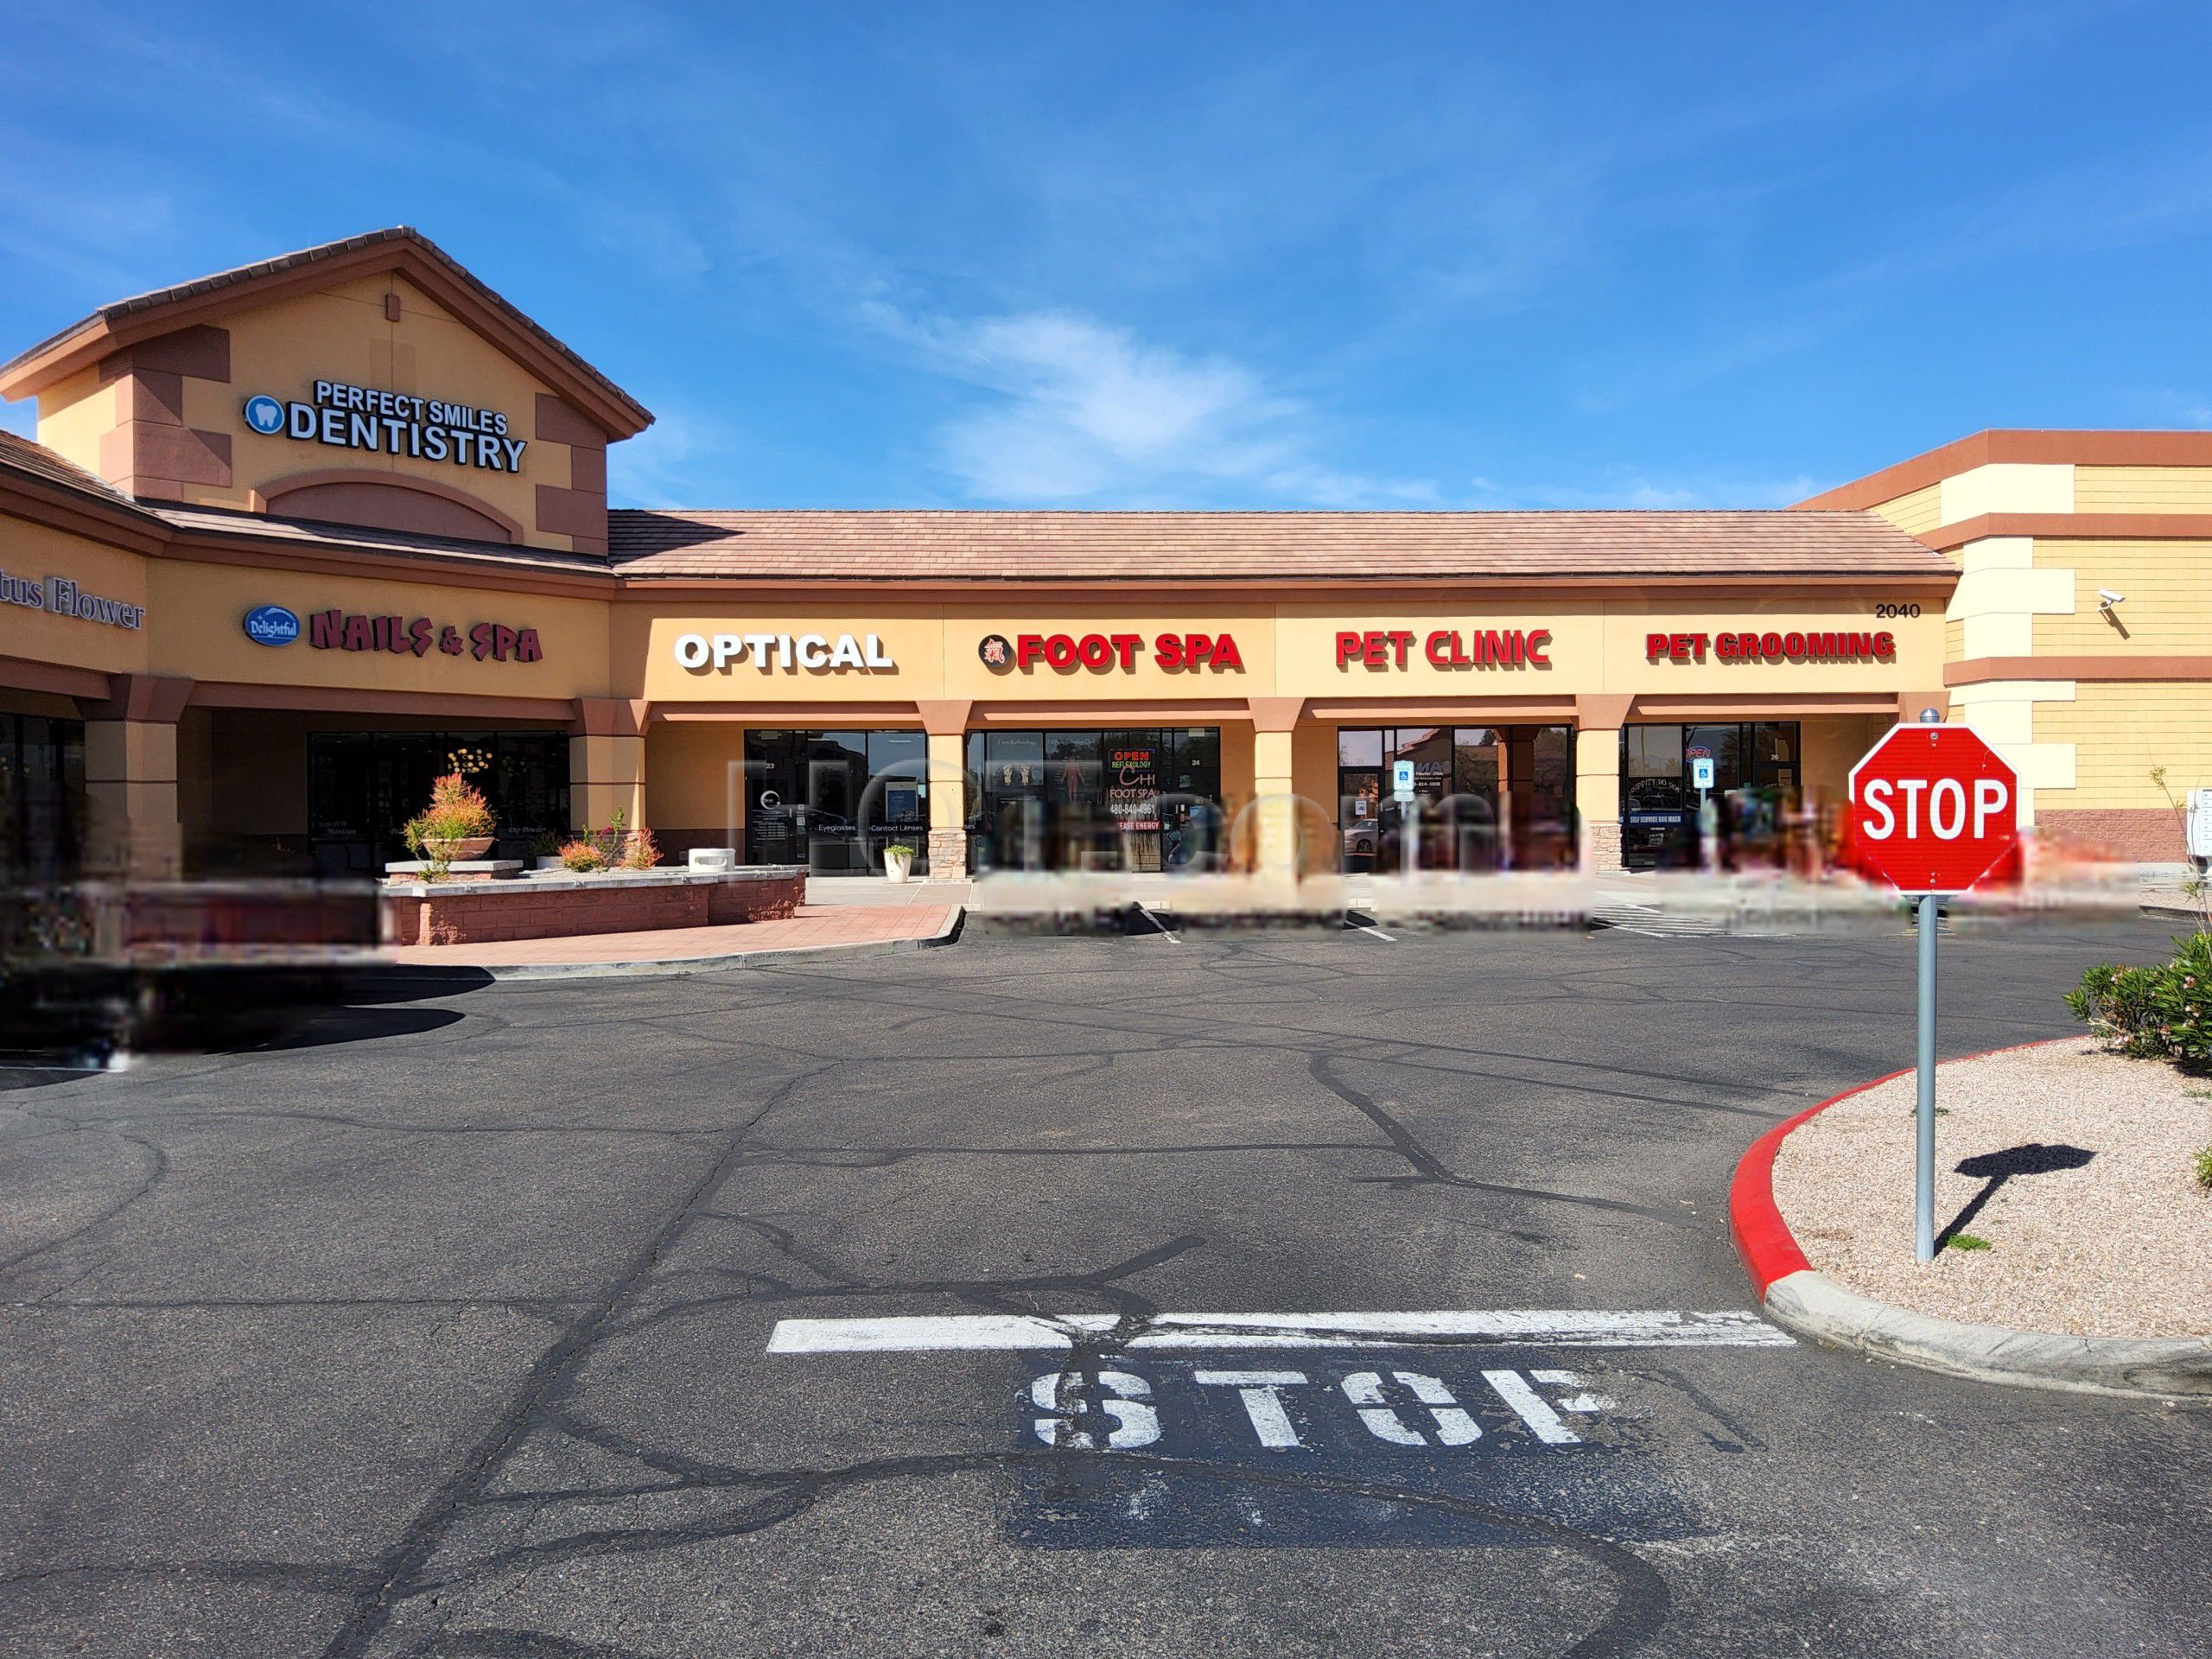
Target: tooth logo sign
[[264, 414]]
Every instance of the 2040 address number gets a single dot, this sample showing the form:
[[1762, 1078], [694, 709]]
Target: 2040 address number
[[1886, 611]]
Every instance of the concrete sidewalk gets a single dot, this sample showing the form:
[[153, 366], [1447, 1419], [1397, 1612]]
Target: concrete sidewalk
[[844, 929]]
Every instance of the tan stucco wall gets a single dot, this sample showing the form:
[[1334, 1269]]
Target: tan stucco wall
[[198, 608], [2143, 489], [35, 552], [341, 333], [2119, 732], [687, 774], [2168, 606]]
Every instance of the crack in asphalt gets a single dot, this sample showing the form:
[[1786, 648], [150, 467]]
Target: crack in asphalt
[[407, 1592]]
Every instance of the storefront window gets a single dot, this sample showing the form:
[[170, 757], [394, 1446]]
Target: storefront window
[[1485, 798], [833, 801], [363, 787], [41, 799], [1666, 821], [1146, 798]]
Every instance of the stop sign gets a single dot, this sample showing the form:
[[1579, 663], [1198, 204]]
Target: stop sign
[[1934, 809]]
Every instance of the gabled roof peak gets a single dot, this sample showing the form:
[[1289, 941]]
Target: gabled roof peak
[[122, 323]]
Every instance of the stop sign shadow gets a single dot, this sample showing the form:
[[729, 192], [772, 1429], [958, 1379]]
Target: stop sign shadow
[[1934, 809]]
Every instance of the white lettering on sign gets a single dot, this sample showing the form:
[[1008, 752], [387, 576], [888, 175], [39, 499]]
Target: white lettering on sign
[[59, 596], [789, 651], [1949, 816], [391, 423]]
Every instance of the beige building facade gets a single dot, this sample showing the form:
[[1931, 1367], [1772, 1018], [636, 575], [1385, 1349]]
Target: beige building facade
[[295, 537]]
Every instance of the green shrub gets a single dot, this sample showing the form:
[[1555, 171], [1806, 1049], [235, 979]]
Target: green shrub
[[2203, 1162], [2158, 1012]]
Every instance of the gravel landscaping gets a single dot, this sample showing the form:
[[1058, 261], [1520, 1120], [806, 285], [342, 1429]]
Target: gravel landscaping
[[2083, 1163]]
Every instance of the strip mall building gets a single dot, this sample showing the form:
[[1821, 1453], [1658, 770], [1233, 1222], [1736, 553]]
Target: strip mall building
[[295, 537]]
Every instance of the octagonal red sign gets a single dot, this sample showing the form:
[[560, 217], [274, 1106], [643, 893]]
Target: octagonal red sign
[[1934, 809]]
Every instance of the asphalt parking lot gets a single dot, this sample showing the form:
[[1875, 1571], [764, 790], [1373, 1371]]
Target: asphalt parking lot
[[922, 1305]]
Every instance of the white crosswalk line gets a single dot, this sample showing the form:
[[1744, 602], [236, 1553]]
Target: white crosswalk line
[[1527, 1327]]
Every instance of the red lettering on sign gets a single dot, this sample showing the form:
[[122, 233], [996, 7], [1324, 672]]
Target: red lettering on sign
[[1225, 654], [1348, 646]]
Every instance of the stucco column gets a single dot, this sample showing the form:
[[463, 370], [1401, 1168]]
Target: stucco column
[[946, 721], [1275, 792], [1597, 723], [133, 831], [607, 762]]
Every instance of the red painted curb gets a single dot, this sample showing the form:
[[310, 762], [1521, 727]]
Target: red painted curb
[[1764, 1240]]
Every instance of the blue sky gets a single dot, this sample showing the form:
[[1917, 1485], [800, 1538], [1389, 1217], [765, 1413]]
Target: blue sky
[[1211, 256]]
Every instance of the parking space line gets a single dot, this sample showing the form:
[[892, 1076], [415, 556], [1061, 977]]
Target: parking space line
[[1154, 918], [1527, 1327], [1358, 926]]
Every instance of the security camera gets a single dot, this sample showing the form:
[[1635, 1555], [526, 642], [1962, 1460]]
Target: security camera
[[2106, 598]]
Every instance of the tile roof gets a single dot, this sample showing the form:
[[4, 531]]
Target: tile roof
[[309, 534], [1259, 546], [21, 455]]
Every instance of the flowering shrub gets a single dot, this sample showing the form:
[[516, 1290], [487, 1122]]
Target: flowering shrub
[[457, 811], [615, 847], [2163, 1012], [583, 854]]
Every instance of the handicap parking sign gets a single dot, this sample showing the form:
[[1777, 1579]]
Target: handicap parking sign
[[1401, 779], [1702, 772]]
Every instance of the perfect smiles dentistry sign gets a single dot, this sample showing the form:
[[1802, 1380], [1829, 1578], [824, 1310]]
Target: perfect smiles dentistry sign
[[391, 423]]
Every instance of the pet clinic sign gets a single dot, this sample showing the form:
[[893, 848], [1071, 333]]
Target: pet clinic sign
[[391, 423]]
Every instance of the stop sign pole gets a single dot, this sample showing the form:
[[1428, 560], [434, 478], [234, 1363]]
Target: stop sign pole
[[1934, 809]]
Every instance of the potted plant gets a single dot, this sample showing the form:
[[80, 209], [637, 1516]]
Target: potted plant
[[898, 861], [457, 823], [545, 851]]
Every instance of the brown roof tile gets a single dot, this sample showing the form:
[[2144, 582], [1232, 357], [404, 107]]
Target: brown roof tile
[[22, 455], [1259, 546]]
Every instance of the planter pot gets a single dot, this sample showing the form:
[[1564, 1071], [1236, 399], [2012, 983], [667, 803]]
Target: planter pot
[[898, 867], [549, 862], [465, 847]]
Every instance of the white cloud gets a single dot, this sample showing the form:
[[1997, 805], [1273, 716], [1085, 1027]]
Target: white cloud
[[1632, 487], [656, 468], [1079, 411]]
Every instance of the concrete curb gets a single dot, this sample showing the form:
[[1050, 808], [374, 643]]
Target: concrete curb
[[1812, 1304], [676, 967], [2173, 914]]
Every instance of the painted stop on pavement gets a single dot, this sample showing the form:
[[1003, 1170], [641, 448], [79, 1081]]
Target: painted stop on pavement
[[1934, 809]]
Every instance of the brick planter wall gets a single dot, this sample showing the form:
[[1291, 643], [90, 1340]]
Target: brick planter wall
[[477, 912]]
